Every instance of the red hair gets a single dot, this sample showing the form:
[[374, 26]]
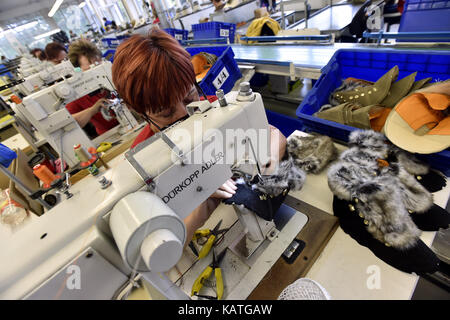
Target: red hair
[[152, 73]]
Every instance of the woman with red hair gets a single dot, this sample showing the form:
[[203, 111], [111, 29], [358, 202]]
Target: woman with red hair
[[154, 76]]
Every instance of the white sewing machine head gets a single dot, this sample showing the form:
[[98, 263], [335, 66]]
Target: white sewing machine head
[[47, 75], [46, 111], [163, 180]]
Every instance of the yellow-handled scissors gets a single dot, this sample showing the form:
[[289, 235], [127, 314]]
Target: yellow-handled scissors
[[200, 281], [211, 235], [104, 146]]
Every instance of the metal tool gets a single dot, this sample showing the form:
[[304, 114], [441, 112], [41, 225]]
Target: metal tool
[[211, 234], [214, 266]]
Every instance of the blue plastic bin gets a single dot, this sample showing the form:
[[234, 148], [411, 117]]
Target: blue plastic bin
[[109, 55], [215, 29], [371, 64], [178, 34], [111, 42], [223, 74], [426, 16]]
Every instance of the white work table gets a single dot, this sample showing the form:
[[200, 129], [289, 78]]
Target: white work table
[[342, 267]]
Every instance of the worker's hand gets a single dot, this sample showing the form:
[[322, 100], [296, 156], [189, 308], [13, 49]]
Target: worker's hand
[[199, 216], [101, 103], [225, 191]]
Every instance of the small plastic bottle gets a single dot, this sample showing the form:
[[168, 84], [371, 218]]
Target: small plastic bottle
[[11, 212]]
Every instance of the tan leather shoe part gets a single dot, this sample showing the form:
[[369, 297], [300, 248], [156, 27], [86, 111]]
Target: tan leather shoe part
[[398, 90], [366, 96]]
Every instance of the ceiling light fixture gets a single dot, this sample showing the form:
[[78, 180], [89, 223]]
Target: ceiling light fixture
[[55, 7], [25, 26], [81, 5], [47, 34]]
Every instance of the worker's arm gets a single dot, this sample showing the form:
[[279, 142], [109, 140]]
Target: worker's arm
[[83, 117], [199, 216]]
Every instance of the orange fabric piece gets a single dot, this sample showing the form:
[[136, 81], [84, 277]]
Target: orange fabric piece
[[382, 163], [437, 101], [378, 118], [417, 113], [443, 128]]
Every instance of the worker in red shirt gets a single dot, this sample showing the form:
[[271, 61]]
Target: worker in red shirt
[[83, 54], [154, 75]]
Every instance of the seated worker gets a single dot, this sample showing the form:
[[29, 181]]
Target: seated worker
[[82, 54], [38, 53], [154, 76], [107, 24], [55, 52]]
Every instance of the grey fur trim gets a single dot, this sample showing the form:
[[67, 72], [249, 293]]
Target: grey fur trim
[[385, 194], [411, 164], [312, 153], [388, 220], [368, 139], [377, 143], [415, 197], [287, 175]]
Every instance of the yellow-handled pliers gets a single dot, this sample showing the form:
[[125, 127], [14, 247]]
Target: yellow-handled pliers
[[199, 282], [211, 235]]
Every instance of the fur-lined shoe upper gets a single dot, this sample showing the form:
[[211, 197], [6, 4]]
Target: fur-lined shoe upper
[[372, 171]]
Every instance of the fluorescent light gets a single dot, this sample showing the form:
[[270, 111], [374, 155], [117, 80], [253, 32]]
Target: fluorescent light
[[47, 34], [81, 5], [25, 26], [55, 7]]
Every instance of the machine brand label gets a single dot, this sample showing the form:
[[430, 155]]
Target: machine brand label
[[221, 78], [186, 182], [76, 86]]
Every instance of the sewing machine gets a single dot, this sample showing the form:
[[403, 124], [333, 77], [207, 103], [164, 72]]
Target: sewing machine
[[49, 74], [46, 111], [30, 65], [135, 226]]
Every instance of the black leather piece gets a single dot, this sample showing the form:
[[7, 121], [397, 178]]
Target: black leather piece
[[419, 259], [432, 181], [432, 220], [265, 209]]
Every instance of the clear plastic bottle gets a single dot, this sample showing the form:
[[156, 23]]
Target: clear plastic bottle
[[11, 212]]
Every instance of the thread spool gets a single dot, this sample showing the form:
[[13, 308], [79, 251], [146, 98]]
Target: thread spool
[[81, 154], [44, 174]]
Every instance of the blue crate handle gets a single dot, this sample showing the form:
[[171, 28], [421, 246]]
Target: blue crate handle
[[6, 155], [327, 37], [203, 41], [406, 35]]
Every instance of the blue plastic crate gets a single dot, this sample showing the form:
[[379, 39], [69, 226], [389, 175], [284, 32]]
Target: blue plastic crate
[[371, 64], [215, 29], [111, 42], [426, 16], [109, 55], [223, 74], [178, 34], [287, 125]]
